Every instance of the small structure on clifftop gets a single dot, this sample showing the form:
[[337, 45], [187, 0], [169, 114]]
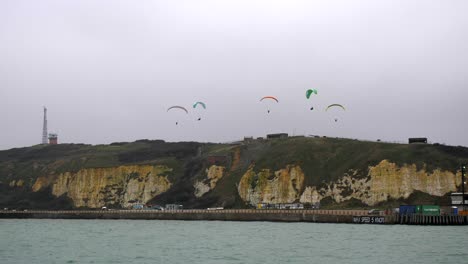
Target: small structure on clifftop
[[278, 135], [53, 139], [417, 140]]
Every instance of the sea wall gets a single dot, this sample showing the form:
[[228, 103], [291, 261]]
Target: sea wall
[[319, 216], [316, 216]]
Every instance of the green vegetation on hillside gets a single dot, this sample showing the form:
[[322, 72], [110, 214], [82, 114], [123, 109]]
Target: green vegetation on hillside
[[322, 160]]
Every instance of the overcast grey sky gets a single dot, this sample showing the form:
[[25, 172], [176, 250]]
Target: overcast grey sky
[[108, 70]]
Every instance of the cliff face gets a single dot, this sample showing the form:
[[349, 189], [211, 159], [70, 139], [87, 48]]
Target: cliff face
[[118, 186], [213, 175], [307, 170], [399, 182], [383, 181], [282, 186]]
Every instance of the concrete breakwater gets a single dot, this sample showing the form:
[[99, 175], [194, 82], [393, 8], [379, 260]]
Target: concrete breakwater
[[319, 216]]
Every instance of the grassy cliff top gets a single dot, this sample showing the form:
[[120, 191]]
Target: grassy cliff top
[[322, 159]]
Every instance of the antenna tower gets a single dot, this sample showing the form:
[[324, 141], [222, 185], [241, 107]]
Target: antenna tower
[[44, 127]]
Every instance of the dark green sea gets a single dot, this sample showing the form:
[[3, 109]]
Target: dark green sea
[[154, 241]]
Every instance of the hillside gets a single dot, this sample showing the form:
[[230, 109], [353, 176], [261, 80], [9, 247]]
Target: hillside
[[338, 173]]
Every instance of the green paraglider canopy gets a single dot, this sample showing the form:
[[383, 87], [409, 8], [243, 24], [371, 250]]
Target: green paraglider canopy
[[310, 92], [203, 105], [195, 105]]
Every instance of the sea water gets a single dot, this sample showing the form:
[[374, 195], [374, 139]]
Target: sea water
[[156, 241]]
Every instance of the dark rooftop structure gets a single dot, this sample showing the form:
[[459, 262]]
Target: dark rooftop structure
[[278, 135], [417, 140]]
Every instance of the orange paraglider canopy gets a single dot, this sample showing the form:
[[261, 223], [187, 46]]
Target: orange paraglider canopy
[[270, 97]]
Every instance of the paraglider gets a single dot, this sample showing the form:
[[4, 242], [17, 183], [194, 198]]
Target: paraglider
[[198, 104], [309, 93], [335, 105], [332, 106], [177, 107], [270, 98], [195, 105]]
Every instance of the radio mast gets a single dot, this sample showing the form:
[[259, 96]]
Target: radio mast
[[44, 127]]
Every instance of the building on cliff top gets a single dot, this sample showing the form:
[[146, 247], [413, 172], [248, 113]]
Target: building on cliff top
[[53, 139], [278, 135], [417, 140]]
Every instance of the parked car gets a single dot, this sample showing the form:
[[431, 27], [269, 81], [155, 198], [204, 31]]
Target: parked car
[[157, 207], [138, 206], [374, 212], [214, 208]]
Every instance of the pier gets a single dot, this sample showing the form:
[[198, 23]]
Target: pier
[[418, 219]]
